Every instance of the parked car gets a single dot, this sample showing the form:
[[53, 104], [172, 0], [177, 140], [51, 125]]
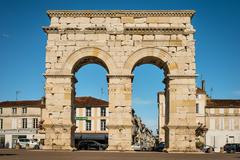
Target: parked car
[[28, 143], [208, 149], [232, 147], [89, 145], [160, 147], [136, 147]]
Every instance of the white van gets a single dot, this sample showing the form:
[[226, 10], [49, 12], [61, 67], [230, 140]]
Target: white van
[[28, 143]]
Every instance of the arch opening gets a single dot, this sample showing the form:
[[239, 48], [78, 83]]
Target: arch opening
[[151, 60], [88, 55], [147, 83], [155, 56], [88, 60], [91, 102]]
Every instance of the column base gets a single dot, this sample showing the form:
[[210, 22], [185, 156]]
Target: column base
[[180, 138]]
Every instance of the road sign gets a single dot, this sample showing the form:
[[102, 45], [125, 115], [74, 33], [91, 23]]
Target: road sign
[[81, 118]]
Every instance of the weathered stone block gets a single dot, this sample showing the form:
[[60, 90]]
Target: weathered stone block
[[120, 37], [158, 20], [79, 37], [71, 36], [148, 37], [162, 37], [82, 20], [65, 43], [53, 36], [97, 20], [127, 19], [103, 36], [137, 37], [140, 20]]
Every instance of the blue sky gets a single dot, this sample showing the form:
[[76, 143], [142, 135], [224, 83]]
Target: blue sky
[[22, 50]]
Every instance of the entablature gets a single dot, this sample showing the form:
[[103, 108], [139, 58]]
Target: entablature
[[120, 13]]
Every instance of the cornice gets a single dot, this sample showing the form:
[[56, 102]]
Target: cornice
[[127, 30], [120, 13]]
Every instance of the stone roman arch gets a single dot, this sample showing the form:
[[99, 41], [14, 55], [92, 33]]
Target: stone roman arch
[[120, 40]]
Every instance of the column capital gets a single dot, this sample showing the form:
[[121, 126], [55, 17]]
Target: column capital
[[120, 75], [181, 76], [124, 76], [178, 76], [54, 75]]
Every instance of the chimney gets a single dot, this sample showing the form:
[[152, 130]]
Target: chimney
[[43, 100], [203, 85]]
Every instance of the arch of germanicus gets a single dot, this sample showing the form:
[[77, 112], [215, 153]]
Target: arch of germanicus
[[120, 40]]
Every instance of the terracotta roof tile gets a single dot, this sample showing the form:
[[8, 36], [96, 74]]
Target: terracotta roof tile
[[32, 103], [90, 101], [79, 101], [200, 91], [223, 103]]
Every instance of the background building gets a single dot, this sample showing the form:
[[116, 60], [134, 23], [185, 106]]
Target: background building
[[141, 134], [19, 119], [91, 119], [220, 116], [223, 122]]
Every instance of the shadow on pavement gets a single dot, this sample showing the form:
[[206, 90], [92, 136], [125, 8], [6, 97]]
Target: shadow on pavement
[[6, 154]]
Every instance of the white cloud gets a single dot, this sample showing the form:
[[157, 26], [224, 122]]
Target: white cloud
[[4, 35], [237, 92], [139, 101]]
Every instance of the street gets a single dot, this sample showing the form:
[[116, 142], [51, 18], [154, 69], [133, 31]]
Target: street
[[103, 155]]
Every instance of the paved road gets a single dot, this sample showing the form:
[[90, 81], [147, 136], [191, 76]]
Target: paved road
[[92, 155]]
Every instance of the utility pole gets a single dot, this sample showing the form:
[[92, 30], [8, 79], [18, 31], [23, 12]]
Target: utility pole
[[17, 92], [211, 92], [102, 93]]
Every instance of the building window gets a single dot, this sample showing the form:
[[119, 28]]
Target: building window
[[1, 110], [221, 111], [230, 110], [197, 108], [14, 110], [88, 125], [103, 125], [24, 110], [212, 124], [231, 124], [103, 111], [14, 123], [24, 123], [88, 111], [35, 123], [212, 111], [221, 123], [1, 123]]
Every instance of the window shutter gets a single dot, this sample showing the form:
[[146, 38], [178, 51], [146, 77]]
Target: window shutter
[[92, 127], [29, 122], [84, 112], [98, 111], [98, 125]]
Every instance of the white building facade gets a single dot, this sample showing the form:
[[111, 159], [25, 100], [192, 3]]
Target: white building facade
[[220, 116], [19, 119], [223, 122]]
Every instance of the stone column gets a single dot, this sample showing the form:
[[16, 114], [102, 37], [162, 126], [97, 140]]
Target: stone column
[[180, 113], [120, 112], [59, 113]]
